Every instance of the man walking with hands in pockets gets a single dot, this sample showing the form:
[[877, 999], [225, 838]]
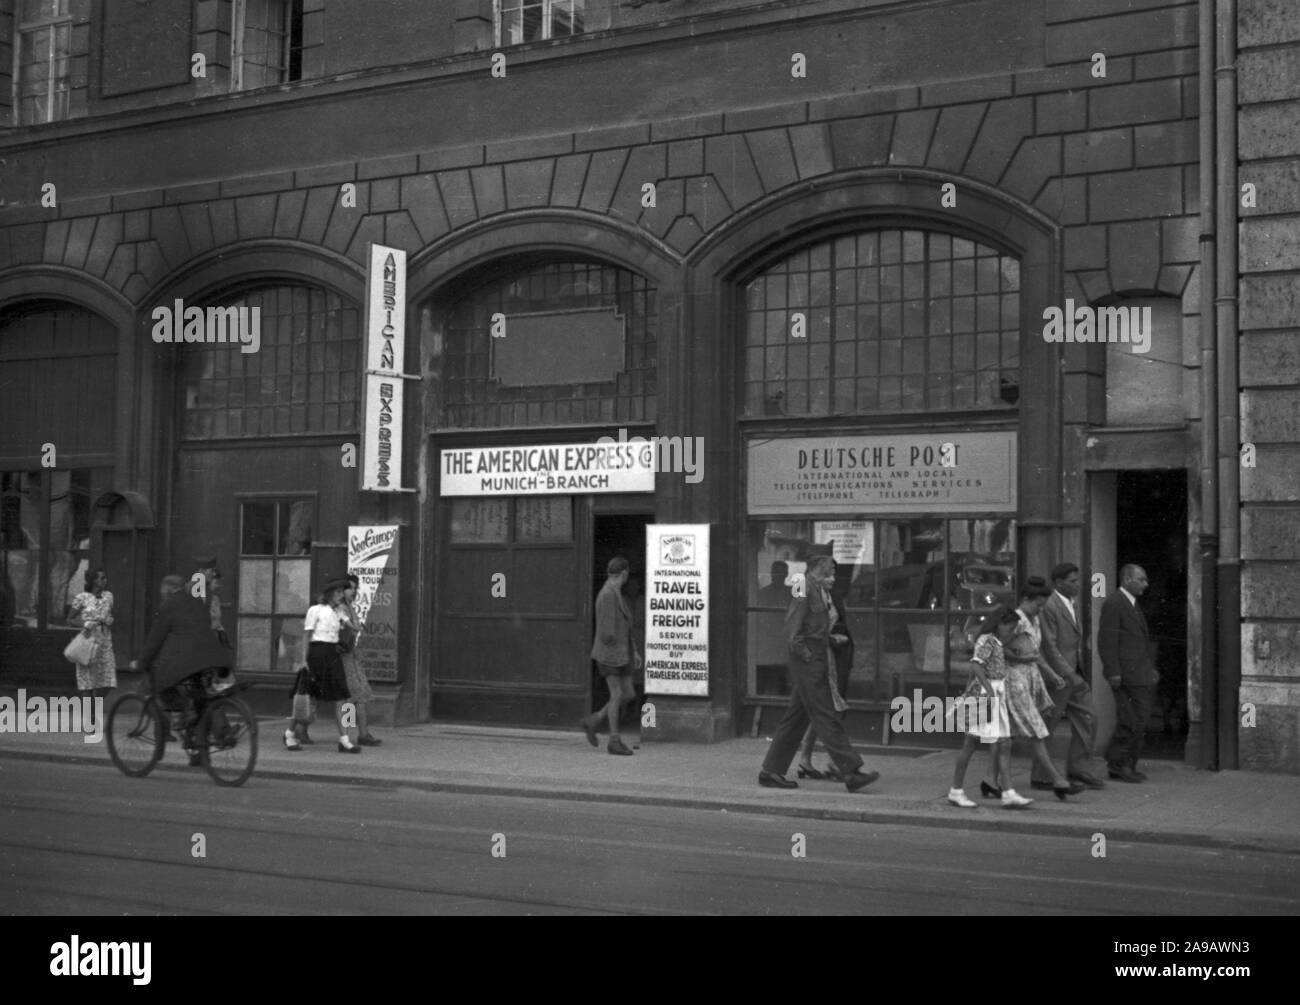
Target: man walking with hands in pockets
[[808, 625], [615, 653]]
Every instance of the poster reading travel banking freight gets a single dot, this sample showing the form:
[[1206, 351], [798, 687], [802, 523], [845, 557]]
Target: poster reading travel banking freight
[[677, 609]]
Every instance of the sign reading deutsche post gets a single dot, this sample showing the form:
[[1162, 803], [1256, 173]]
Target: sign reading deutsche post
[[372, 558], [677, 609], [948, 472], [385, 357]]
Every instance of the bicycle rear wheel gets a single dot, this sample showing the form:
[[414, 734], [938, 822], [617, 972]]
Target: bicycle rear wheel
[[136, 734], [227, 737]]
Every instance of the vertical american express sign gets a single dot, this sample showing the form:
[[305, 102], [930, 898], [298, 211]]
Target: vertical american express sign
[[372, 558], [384, 381]]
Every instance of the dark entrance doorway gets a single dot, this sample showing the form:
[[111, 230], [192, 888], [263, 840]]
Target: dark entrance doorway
[[1151, 531], [620, 534]]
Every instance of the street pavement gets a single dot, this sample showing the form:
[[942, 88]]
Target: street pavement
[[1179, 804], [82, 839]]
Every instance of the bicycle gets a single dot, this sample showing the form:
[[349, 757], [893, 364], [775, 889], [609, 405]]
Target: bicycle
[[222, 730]]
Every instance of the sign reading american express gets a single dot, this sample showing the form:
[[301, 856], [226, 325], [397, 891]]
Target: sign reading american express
[[553, 469], [385, 357], [956, 472]]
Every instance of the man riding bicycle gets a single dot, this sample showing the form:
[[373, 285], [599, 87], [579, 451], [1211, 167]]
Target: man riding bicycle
[[185, 655]]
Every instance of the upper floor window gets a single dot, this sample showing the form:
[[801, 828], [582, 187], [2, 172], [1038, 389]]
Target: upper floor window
[[267, 43], [582, 347], [883, 321], [43, 61], [519, 21], [303, 378]]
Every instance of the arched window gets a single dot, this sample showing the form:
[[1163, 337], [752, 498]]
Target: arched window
[[57, 404], [575, 343], [302, 379], [883, 321]]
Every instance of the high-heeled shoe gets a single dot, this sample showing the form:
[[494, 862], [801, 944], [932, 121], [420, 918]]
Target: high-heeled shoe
[[810, 772], [989, 792], [1073, 789]]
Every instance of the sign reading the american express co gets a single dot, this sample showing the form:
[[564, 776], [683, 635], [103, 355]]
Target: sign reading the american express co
[[555, 469]]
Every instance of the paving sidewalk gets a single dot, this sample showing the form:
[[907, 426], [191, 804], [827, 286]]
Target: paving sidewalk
[[1179, 804]]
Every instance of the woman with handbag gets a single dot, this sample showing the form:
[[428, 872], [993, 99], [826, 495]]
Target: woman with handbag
[[329, 679], [94, 607], [358, 686]]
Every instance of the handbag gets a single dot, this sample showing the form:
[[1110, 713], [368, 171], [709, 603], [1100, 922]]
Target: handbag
[[81, 650], [347, 638]]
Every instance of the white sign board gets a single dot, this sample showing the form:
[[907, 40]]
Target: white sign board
[[381, 469], [954, 472], [852, 540], [677, 609], [577, 468]]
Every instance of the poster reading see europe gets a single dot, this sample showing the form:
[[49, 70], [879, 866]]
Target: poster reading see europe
[[372, 558]]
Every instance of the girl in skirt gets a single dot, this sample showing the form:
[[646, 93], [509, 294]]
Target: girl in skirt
[[329, 681], [985, 702]]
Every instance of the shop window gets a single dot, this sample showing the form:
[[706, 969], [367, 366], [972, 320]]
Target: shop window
[[914, 591], [883, 321], [43, 61], [303, 378], [266, 41], [614, 382], [275, 572], [519, 21], [45, 543]]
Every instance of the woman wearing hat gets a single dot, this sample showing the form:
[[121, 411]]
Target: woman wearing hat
[[328, 676], [358, 686]]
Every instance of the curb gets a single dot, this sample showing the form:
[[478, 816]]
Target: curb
[[1012, 823]]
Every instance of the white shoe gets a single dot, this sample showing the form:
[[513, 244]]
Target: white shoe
[[291, 740], [958, 798], [1012, 800]]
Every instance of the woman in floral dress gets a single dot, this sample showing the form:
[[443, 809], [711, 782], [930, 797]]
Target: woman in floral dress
[[95, 608]]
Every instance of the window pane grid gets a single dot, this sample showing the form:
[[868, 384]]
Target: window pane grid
[[308, 358], [935, 319], [473, 399]]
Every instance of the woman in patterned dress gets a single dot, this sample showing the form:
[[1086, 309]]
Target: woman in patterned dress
[[358, 687], [1027, 696], [95, 609]]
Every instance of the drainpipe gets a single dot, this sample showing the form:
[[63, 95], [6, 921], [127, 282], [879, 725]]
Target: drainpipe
[[1225, 300], [1208, 539]]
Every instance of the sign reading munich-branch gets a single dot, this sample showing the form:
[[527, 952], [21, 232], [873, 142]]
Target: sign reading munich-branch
[[385, 357], [677, 609], [953, 472], [549, 470], [372, 558]]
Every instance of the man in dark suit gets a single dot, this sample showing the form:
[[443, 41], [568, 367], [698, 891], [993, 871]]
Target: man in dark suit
[[1062, 637], [181, 643], [808, 625], [1123, 643]]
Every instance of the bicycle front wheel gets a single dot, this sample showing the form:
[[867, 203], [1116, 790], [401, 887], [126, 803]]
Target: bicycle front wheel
[[227, 737], [136, 734]]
